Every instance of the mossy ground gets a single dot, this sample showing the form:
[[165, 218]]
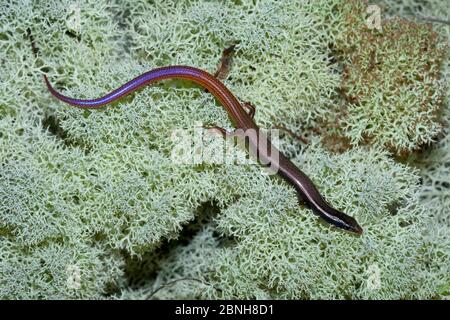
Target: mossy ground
[[92, 206]]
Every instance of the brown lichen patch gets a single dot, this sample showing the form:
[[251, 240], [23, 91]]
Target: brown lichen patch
[[390, 81]]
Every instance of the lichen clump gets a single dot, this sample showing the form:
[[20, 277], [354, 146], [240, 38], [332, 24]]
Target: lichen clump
[[391, 82], [92, 205]]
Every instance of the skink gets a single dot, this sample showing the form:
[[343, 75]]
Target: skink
[[243, 120]]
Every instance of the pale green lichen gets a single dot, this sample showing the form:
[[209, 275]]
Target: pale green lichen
[[47, 249], [392, 81], [279, 251], [89, 199], [434, 163]]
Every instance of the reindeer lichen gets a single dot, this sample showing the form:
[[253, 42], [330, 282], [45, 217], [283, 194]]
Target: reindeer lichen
[[93, 206]]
